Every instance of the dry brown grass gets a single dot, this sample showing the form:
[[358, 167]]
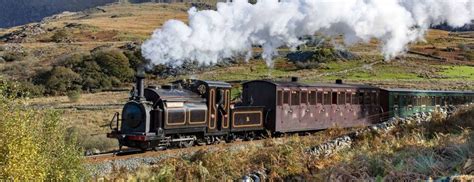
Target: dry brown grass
[[406, 154], [86, 99], [138, 19]]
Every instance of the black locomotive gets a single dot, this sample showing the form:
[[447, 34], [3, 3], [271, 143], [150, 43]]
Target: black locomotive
[[196, 112]]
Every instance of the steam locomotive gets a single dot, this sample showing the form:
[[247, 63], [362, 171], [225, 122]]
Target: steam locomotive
[[197, 112]]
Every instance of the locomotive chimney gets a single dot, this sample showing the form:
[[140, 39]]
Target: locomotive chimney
[[140, 76], [294, 79]]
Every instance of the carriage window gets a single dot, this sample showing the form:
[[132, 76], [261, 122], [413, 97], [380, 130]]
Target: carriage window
[[348, 98], [319, 98], [410, 100], [304, 97], [286, 97], [361, 98], [396, 100], [341, 98], [355, 99], [312, 97], [327, 98], [295, 98], [437, 100], [334, 98], [279, 98], [373, 98], [367, 98]]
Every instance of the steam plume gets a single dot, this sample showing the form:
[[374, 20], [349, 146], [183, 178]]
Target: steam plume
[[236, 26]]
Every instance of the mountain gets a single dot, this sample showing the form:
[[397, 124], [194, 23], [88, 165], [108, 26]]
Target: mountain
[[18, 12]]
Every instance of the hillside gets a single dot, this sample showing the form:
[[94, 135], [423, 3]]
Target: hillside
[[18, 12]]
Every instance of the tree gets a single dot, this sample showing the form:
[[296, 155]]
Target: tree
[[92, 76], [60, 80], [114, 63]]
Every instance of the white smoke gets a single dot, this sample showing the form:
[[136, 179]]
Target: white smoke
[[236, 26]]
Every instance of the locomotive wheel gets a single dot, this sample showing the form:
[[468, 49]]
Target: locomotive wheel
[[159, 148], [249, 136], [186, 144]]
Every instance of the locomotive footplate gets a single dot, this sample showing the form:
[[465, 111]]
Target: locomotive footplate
[[135, 137]]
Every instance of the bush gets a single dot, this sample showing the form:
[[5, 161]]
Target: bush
[[135, 58], [12, 56], [61, 36], [23, 89], [59, 80], [114, 63], [74, 95], [74, 61], [34, 145]]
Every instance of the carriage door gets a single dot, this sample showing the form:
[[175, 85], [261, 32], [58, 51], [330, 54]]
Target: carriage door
[[285, 112], [212, 116], [347, 113], [295, 108], [305, 115], [223, 108]]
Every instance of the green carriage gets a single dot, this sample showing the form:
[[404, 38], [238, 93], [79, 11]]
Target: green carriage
[[405, 102]]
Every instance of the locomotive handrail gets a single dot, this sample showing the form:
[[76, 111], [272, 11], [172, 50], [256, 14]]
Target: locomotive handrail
[[116, 119]]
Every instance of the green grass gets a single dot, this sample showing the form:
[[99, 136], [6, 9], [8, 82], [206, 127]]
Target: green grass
[[356, 70], [458, 72]]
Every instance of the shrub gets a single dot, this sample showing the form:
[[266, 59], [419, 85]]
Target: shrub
[[114, 63], [34, 146], [61, 36], [12, 56], [135, 58], [23, 89], [74, 61], [74, 95], [59, 80]]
